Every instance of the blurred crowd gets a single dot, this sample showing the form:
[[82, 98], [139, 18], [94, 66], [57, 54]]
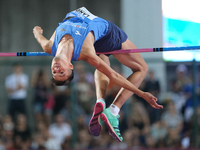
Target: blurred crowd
[[62, 114]]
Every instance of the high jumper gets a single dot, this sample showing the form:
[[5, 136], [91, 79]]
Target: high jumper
[[78, 38]]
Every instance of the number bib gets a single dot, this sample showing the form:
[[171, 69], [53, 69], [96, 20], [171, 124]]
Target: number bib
[[83, 14]]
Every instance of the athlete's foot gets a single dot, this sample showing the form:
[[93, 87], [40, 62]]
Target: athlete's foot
[[96, 122], [112, 124]]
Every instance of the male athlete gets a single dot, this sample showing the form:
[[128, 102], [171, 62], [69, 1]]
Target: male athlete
[[79, 37]]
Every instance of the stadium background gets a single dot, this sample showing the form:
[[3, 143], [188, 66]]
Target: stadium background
[[141, 20]]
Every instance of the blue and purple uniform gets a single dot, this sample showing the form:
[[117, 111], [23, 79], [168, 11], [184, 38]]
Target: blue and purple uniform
[[78, 23]]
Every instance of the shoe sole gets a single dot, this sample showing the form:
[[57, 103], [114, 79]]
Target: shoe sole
[[110, 128], [94, 125]]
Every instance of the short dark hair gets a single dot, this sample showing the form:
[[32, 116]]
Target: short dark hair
[[66, 82]]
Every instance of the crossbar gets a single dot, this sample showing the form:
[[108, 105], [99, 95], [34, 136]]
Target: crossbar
[[143, 50]]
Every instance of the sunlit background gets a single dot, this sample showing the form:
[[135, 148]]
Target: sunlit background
[[181, 27]]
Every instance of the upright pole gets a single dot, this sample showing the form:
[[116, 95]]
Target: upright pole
[[195, 123]]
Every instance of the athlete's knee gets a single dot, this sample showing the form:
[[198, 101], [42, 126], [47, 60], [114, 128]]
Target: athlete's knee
[[145, 68], [143, 71], [100, 76]]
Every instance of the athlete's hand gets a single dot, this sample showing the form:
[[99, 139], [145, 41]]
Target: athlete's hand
[[37, 31], [152, 100]]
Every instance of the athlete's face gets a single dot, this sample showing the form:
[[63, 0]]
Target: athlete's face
[[61, 69]]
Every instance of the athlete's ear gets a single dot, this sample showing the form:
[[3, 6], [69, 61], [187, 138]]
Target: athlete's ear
[[71, 66]]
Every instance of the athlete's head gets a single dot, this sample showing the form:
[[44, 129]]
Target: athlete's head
[[62, 71]]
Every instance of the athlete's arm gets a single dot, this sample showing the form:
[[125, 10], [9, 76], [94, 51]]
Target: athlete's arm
[[100, 65], [45, 43], [111, 74]]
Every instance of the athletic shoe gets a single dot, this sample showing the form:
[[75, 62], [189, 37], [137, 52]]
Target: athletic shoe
[[96, 122], [112, 124]]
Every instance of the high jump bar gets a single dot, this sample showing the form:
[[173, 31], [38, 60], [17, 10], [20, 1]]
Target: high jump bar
[[143, 50]]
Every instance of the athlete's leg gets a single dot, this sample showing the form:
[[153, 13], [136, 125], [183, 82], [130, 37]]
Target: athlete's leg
[[101, 83], [137, 64], [139, 67], [101, 80]]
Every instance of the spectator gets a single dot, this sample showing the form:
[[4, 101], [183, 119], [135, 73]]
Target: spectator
[[190, 103], [66, 144], [80, 67], [2, 146], [85, 93], [181, 78], [41, 85], [186, 140], [21, 129], [61, 94], [7, 132], [128, 138], [172, 119], [8, 123], [173, 139], [7, 135], [51, 142], [84, 139], [123, 119], [191, 129], [180, 88], [67, 111], [16, 85], [48, 106], [152, 84], [41, 127], [103, 141], [158, 132], [149, 141], [60, 129], [43, 139], [118, 145], [82, 121], [38, 142], [21, 144], [84, 85], [139, 121]]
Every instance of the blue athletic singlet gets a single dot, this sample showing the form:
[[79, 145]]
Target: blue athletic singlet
[[79, 23]]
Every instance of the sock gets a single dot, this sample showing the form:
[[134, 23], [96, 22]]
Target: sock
[[114, 109], [102, 101]]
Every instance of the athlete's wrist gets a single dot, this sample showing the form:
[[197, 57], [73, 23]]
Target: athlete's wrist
[[37, 36], [140, 94]]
